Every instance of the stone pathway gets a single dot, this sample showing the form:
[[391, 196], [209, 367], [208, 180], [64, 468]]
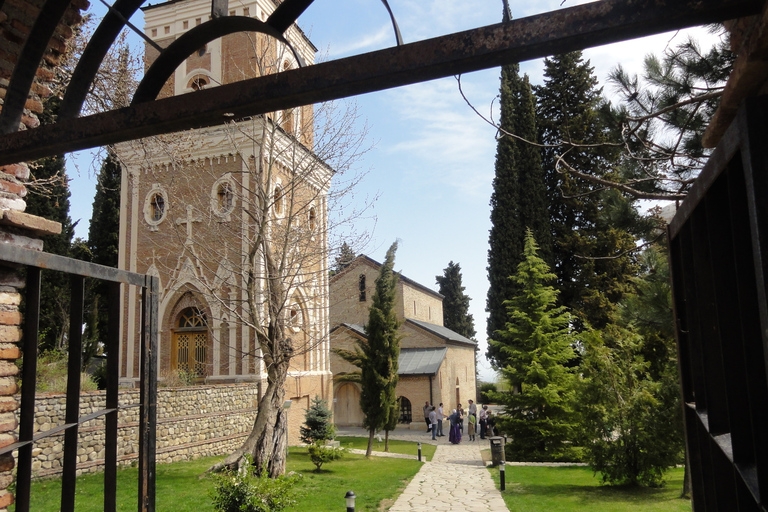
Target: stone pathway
[[455, 480]]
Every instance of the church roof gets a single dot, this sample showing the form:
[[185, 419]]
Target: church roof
[[366, 260], [442, 332], [421, 361]]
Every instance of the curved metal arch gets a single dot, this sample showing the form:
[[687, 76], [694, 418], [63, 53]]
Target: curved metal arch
[[103, 38], [29, 59], [175, 54], [398, 37]]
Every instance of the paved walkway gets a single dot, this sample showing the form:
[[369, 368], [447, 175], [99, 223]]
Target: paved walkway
[[454, 480]]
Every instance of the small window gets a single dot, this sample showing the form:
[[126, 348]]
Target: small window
[[167, 29], [157, 206], [361, 287], [246, 11], [225, 197], [198, 21], [185, 24], [312, 219], [154, 32], [202, 51], [198, 84], [278, 200]]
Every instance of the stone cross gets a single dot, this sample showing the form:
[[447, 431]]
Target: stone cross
[[188, 221]]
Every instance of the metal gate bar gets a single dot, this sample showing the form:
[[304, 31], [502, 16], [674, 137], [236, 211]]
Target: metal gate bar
[[80, 270]]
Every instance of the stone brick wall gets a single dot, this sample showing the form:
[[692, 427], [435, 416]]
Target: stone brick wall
[[193, 422]]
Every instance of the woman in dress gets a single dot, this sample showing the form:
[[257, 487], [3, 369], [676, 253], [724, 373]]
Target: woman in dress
[[454, 435]]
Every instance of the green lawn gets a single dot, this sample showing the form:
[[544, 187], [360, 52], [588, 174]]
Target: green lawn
[[180, 489], [545, 489], [407, 447]]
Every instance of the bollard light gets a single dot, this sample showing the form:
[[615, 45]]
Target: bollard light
[[419, 452], [502, 479], [350, 497]]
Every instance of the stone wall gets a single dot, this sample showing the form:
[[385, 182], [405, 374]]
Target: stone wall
[[192, 422]]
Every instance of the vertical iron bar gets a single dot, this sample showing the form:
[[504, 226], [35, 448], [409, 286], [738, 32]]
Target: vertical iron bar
[[28, 384], [72, 412], [111, 420], [148, 379]]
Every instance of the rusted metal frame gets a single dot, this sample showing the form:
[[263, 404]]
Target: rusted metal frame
[[72, 406], [148, 393], [112, 398], [178, 51], [28, 61], [93, 55], [49, 261], [537, 36], [287, 13], [28, 385]]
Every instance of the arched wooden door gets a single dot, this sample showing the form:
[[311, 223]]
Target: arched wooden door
[[346, 410], [189, 352]]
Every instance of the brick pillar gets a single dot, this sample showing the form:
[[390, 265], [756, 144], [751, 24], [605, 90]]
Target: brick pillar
[[23, 230]]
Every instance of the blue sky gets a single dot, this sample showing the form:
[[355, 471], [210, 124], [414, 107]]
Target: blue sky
[[432, 164]]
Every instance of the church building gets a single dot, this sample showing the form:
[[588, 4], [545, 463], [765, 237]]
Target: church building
[[231, 218], [436, 365]]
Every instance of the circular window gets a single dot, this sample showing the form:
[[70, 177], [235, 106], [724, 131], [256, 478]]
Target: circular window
[[155, 206]]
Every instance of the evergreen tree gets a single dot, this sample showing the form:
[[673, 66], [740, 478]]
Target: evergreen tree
[[343, 259], [103, 246], [518, 201], [317, 423], [378, 355], [456, 316], [50, 200], [537, 347], [589, 253]]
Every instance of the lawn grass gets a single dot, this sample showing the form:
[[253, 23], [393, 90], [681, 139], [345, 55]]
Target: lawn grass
[[407, 447], [180, 489], [569, 488]]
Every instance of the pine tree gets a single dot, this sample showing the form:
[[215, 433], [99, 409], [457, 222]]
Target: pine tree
[[51, 201], [456, 316], [518, 201], [317, 423], [378, 355], [537, 347]]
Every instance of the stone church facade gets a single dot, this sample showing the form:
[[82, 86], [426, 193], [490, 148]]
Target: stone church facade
[[194, 203], [436, 365]]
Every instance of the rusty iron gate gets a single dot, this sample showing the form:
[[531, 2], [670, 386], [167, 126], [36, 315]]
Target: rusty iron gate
[[36, 264], [719, 250]]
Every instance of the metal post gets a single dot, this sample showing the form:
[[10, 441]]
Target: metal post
[[502, 476], [419, 451], [350, 498]]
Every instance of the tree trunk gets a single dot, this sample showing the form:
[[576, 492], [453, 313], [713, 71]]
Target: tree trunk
[[371, 432], [386, 440]]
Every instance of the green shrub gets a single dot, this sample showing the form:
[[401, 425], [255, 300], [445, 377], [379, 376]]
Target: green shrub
[[317, 423], [244, 491], [482, 393], [52, 374], [319, 455]]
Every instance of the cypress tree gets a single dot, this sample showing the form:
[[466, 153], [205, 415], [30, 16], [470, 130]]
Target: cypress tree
[[518, 201], [51, 201], [103, 245], [456, 316], [378, 355], [583, 231]]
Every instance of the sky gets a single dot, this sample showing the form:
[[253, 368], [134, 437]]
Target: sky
[[432, 163]]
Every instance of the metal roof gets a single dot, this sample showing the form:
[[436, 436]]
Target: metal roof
[[421, 361], [441, 331]]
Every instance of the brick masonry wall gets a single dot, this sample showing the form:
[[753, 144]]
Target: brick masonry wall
[[193, 422]]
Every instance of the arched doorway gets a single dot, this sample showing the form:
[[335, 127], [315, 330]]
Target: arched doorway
[[346, 410], [406, 412], [189, 350]]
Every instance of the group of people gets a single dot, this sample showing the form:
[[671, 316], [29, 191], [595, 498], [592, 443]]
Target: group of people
[[434, 417]]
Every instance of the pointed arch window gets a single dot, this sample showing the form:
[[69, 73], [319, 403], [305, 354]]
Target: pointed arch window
[[361, 287]]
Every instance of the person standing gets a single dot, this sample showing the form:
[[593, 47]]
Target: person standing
[[440, 418], [460, 410], [433, 421], [454, 435], [471, 422], [472, 409], [483, 420], [426, 410]]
